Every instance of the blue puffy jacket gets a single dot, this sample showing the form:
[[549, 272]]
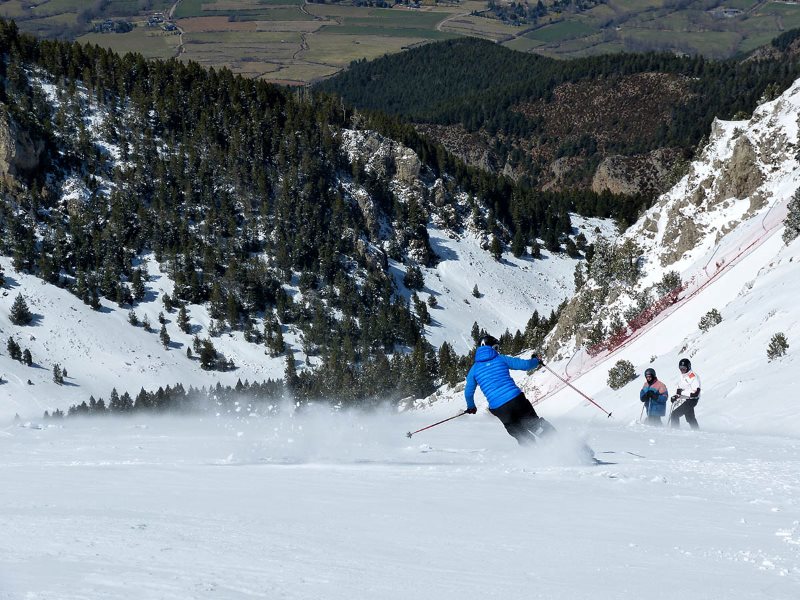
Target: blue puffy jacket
[[657, 406], [490, 371]]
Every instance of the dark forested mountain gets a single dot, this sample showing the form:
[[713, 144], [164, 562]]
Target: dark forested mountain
[[550, 122], [241, 191]]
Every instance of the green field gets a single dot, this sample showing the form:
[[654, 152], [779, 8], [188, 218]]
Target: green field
[[566, 30], [147, 43]]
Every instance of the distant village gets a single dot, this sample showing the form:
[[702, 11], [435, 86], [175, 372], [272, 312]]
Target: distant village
[[121, 26]]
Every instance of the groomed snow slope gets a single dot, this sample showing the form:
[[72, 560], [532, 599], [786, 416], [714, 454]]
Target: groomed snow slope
[[341, 506]]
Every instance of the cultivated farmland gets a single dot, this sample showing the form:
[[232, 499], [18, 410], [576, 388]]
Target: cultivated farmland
[[297, 42]]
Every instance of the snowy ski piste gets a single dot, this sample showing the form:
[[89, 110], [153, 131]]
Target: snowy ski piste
[[338, 505]]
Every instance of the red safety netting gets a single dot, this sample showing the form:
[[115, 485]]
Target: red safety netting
[[726, 255]]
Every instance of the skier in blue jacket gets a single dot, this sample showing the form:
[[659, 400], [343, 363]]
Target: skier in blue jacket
[[654, 395], [506, 400]]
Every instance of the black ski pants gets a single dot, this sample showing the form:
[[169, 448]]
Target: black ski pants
[[521, 420], [686, 409]]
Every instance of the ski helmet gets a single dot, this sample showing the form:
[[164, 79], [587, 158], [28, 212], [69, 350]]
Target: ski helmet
[[650, 373], [488, 340], [684, 363]]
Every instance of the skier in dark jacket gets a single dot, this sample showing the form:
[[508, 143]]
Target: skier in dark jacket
[[654, 395], [506, 400]]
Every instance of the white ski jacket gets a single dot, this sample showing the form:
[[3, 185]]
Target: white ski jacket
[[689, 383]]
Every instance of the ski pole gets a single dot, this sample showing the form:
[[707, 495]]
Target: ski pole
[[577, 390], [410, 433]]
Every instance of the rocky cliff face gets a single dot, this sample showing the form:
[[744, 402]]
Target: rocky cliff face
[[746, 168], [19, 154], [408, 181], [604, 115], [650, 174]]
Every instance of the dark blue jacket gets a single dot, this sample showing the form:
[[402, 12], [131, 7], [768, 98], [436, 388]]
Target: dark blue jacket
[[490, 371]]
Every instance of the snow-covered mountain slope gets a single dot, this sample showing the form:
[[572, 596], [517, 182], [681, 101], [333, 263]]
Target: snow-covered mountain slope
[[101, 350], [720, 228], [510, 289]]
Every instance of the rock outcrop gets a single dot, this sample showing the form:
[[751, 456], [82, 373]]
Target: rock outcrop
[[649, 174], [19, 154]]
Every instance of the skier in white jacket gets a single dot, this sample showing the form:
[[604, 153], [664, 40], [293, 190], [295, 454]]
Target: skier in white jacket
[[689, 388]]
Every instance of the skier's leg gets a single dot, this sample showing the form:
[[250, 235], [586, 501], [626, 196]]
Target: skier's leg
[[509, 415], [521, 433], [690, 418], [515, 416], [536, 425], [675, 417]]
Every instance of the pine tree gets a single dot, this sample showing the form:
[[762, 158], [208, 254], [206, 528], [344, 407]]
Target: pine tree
[[114, 402], [778, 345], [58, 376], [792, 221], [27, 358], [183, 320], [208, 355], [290, 378], [137, 285], [709, 320], [164, 336], [475, 332], [413, 279], [278, 345], [620, 374], [20, 314], [14, 350], [496, 248], [518, 244], [476, 292], [125, 402]]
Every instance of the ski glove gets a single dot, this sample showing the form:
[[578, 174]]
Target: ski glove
[[537, 357], [471, 411]]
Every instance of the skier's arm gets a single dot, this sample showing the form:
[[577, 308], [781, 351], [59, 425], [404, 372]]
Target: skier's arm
[[520, 364], [643, 393], [469, 390], [694, 387], [663, 394]]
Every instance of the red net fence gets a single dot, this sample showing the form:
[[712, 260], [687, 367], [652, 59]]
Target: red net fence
[[730, 252]]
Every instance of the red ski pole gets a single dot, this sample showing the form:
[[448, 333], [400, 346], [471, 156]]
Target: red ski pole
[[410, 433], [577, 390]]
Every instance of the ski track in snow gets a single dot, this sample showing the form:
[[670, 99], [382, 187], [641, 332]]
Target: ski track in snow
[[345, 506]]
